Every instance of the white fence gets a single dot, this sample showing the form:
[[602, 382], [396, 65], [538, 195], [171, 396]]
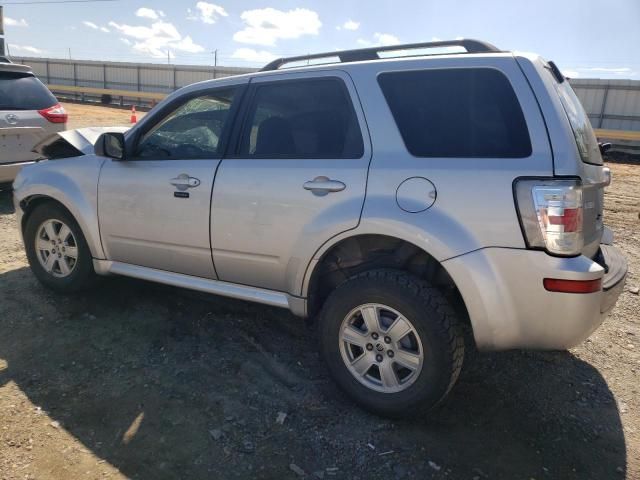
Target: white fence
[[611, 104], [142, 77]]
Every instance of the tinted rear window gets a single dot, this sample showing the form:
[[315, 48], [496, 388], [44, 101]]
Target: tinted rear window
[[19, 91], [464, 112]]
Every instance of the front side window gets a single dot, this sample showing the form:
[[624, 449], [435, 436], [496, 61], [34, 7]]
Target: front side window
[[457, 112], [302, 119], [193, 130]]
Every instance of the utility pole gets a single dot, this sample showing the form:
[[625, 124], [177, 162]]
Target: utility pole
[[215, 61], [69, 53], [168, 57], [1, 32]]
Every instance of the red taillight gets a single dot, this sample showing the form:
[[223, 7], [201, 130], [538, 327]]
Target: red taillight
[[551, 214], [572, 286], [571, 220], [55, 114]]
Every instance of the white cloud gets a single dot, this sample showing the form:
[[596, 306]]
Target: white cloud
[[157, 39], [93, 26], [571, 73], [349, 25], [253, 56], [145, 12], [267, 25], [11, 22], [187, 45], [587, 72], [615, 71], [385, 39], [206, 12], [126, 41], [379, 39], [25, 48]]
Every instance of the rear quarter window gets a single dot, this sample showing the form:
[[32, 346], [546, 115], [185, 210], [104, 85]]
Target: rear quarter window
[[19, 91], [462, 112]]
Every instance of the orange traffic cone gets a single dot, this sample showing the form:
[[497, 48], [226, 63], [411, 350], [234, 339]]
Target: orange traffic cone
[[134, 117]]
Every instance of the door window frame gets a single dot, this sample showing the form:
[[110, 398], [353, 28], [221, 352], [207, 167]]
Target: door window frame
[[242, 117], [134, 136]]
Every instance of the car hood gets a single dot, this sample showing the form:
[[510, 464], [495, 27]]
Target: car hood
[[73, 143]]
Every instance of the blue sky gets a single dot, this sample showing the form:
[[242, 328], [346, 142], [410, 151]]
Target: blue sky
[[586, 38]]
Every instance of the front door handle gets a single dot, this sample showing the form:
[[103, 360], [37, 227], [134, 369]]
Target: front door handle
[[322, 185], [184, 181]]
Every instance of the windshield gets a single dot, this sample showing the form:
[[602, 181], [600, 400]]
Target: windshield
[[23, 91]]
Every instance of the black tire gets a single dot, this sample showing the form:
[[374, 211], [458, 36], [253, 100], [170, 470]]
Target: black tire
[[83, 275], [433, 319]]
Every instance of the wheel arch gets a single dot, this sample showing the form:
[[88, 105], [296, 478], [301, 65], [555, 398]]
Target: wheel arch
[[346, 257], [29, 203]]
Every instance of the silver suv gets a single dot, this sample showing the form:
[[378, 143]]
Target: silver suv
[[29, 113], [394, 194]]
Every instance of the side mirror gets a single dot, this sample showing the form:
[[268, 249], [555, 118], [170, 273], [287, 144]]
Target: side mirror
[[110, 145], [604, 148]]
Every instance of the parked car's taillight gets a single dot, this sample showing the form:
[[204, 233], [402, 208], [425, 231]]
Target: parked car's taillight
[[55, 114], [551, 215]]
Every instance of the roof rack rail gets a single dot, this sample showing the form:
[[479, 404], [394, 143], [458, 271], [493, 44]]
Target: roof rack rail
[[361, 54]]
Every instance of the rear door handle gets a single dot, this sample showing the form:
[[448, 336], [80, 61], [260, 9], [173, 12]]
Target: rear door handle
[[323, 185], [184, 181]]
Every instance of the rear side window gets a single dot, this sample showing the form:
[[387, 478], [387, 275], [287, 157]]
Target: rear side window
[[463, 112], [19, 91], [302, 119]]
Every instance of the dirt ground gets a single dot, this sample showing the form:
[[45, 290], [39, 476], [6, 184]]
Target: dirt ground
[[81, 115], [136, 380]]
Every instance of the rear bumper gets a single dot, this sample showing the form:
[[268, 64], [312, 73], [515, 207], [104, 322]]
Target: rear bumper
[[9, 171], [614, 278], [510, 308]]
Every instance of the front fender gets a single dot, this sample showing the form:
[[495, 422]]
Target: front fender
[[73, 182]]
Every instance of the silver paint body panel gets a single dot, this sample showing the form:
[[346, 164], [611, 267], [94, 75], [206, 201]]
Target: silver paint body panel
[[252, 231]]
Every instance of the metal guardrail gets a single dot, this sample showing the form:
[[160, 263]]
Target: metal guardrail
[[618, 134], [106, 91]]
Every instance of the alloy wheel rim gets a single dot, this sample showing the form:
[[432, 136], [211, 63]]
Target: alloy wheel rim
[[381, 348], [56, 248]]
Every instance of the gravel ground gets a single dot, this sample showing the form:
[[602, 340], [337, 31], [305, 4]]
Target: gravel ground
[[82, 115], [135, 380]]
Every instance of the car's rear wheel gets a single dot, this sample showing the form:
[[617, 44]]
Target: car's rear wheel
[[391, 342], [57, 250]]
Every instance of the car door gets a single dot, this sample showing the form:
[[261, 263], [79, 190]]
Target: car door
[[154, 207], [296, 178]]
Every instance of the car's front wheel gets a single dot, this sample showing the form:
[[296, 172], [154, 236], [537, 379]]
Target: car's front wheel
[[57, 250], [391, 342]]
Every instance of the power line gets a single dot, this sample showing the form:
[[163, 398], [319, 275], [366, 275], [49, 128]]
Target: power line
[[43, 2]]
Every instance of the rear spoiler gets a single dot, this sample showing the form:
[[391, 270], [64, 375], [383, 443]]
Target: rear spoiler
[[15, 67]]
